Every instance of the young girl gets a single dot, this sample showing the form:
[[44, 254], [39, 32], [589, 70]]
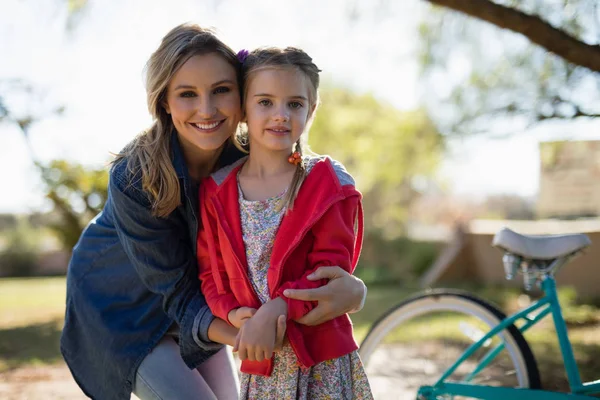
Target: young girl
[[269, 221]]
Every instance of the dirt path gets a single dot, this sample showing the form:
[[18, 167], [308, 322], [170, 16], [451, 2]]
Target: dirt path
[[55, 382], [45, 382]]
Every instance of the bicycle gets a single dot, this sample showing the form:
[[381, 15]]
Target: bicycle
[[486, 353]]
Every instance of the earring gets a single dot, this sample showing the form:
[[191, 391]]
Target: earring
[[295, 158]]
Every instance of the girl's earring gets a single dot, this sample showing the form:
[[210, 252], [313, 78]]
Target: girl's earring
[[295, 158]]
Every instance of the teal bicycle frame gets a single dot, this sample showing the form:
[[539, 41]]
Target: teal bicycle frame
[[531, 315]]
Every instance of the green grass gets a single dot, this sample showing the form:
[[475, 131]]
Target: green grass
[[26, 300], [31, 317], [379, 300]]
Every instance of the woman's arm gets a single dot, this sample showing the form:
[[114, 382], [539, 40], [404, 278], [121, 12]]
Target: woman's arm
[[221, 332], [344, 293], [162, 254], [336, 242]]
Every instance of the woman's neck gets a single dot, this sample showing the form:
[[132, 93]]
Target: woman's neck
[[200, 163]]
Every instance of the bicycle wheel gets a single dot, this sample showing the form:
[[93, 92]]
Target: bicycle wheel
[[415, 342]]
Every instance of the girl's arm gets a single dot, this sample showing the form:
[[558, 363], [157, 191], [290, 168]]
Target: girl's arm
[[264, 333], [161, 252], [336, 242]]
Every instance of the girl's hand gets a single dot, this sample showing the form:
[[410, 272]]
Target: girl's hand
[[280, 338], [256, 339], [238, 316], [343, 293]]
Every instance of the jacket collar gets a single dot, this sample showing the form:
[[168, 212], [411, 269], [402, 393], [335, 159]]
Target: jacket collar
[[319, 191]]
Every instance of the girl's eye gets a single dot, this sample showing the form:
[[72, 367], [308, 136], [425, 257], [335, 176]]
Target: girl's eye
[[265, 102], [296, 104], [222, 89], [187, 94]]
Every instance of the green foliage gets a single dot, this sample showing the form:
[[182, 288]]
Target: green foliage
[[20, 251], [385, 261], [576, 314], [383, 148], [477, 74], [77, 193]]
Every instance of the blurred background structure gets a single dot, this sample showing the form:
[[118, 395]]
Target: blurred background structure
[[455, 117]]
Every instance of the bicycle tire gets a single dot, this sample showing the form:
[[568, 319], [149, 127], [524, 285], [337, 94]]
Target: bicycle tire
[[464, 303]]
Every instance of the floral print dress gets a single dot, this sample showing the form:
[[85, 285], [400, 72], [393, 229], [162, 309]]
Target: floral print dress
[[340, 378]]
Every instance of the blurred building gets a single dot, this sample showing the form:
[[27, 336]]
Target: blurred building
[[569, 179]]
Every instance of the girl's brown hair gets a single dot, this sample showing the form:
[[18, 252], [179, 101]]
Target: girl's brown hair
[[289, 57], [150, 152]]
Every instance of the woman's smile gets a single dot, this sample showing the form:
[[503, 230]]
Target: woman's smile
[[208, 127]]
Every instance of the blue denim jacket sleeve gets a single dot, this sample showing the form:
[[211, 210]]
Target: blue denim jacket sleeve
[[160, 251]]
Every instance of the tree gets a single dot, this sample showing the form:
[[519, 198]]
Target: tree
[[386, 150], [534, 27], [514, 62], [77, 192], [20, 251]]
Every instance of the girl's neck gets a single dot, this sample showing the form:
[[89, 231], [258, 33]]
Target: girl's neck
[[264, 164], [265, 174]]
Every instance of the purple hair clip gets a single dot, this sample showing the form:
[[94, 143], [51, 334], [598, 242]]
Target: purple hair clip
[[242, 55]]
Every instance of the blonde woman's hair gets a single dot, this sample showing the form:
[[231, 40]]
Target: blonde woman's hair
[[150, 152], [289, 57]]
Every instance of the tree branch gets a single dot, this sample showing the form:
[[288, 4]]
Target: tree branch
[[578, 113], [534, 28]]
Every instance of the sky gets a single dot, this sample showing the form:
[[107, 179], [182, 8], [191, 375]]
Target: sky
[[95, 70]]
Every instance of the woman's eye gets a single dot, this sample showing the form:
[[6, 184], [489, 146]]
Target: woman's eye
[[222, 89], [187, 94], [296, 104], [265, 102]]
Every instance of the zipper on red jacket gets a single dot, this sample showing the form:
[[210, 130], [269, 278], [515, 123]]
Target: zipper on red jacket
[[299, 238], [292, 343], [247, 279], [294, 244]]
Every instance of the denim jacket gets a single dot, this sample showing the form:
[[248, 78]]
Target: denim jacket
[[131, 276]]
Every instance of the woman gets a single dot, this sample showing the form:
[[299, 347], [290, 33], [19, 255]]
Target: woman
[[135, 318]]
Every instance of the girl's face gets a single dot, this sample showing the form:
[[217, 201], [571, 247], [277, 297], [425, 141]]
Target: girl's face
[[277, 108], [203, 100]]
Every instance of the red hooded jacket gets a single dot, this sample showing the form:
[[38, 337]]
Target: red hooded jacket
[[325, 227]]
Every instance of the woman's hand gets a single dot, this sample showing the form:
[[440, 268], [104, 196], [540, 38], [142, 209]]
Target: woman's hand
[[221, 332], [344, 293], [280, 337], [238, 316], [257, 338]]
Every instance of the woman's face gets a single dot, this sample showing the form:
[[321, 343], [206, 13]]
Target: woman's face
[[203, 100]]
